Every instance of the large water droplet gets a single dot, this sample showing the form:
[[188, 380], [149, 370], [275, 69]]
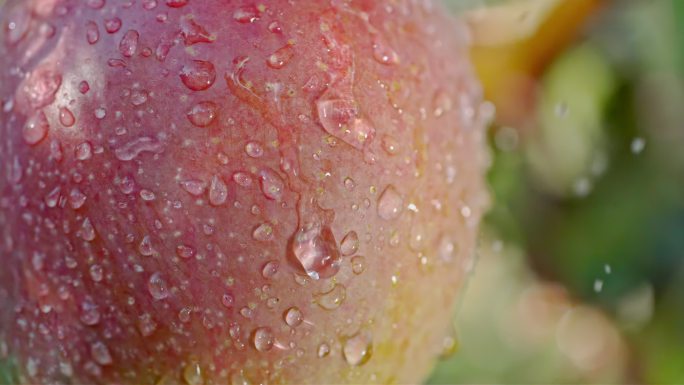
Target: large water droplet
[[112, 25], [263, 339], [40, 87], [323, 350], [194, 187], [66, 117], [36, 128], [254, 149], [192, 374], [314, 246], [270, 269], [157, 287], [218, 191], [281, 57], [194, 33], [146, 325], [202, 114], [129, 43], [84, 151], [87, 230], [246, 14], [390, 204], [132, 149], [333, 298], [92, 32], [383, 53], [293, 317], [100, 353], [358, 348], [349, 244], [185, 251], [272, 184], [242, 178], [198, 75], [339, 118], [52, 198], [76, 198]]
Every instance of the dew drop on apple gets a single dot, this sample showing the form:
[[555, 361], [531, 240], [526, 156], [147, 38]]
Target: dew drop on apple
[[36, 128], [87, 230], [246, 14], [52, 198], [281, 57], [272, 184], [390, 204], [112, 25], [132, 149], [242, 178], [198, 75], [218, 191], [185, 251], [92, 32], [100, 353], [323, 350], [83, 87], [96, 273], [66, 117], [202, 114], [333, 298], [194, 33], [349, 244], [263, 232], [90, 315], [192, 374], [314, 246], [84, 151], [357, 349], [76, 198], [227, 300], [177, 3], [293, 317], [263, 339], [145, 246], [383, 53], [95, 4], [157, 287], [129, 43], [358, 264], [254, 149], [184, 314], [146, 325], [339, 118], [270, 269], [193, 187]]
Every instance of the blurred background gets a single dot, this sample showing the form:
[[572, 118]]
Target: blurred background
[[580, 275]]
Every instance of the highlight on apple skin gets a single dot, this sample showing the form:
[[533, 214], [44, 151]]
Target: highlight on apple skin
[[234, 192]]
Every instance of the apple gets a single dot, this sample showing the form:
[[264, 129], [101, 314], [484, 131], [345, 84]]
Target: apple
[[234, 192]]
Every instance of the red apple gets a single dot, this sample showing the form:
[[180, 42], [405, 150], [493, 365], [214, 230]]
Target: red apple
[[211, 191]]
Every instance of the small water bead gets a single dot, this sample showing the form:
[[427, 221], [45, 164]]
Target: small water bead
[[92, 32], [194, 187], [192, 374], [112, 25], [390, 204], [139, 97], [254, 149], [218, 191], [349, 184], [147, 195], [198, 75], [270, 269], [263, 232], [358, 349], [90, 315], [442, 103], [36, 128], [83, 87], [293, 317], [100, 113], [52, 198], [84, 151], [132, 149], [390, 145], [333, 298], [272, 184], [177, 3], [275, 27], [96, 273], [95, 4], [87, 230], [66, 117], [185, 251], [281, 57], [358, 264], [203, 114], [242, 178], [227, 300], [40, 88], [184, 314], [100, 353], [323, 350], [383, 53], [246, 14], [149, 4], [129, 43], [263, 339], [339, 118], [157, 287], [314, 246], [349, 244]]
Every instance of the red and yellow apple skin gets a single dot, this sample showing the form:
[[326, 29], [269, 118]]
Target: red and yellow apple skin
[[212, 192]]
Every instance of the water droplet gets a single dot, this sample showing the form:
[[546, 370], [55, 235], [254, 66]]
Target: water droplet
[[39, 89], [314, 246], [333, 298], [638, 145], [132, 149], [100, 113], [139, 97], [84, 151], [275, 27], [358, 348], [176, 3], [66, 117], [96, 273], [339, 118], [349, 244], [157, 287], [146, 325], [145, 246], [90, 315], [198, 75], [218, 191], [263, 339], [92, 32], [185, 251], [263, 232], [243, 179], [96, 4], [87, 230], [228, 300], [192, 374], [270, 269], [100, 353], [83, 87], [281, 57], [52, 198], [598, 285], [184, 314], [254, 149], [390, 145], [36, 128], [383, 53], [442, 103], [358, 264], [246, 14], [202, 114], [147, 195], [293, 317], [149, 4], [194, 187], [390, 204], [112, 25], [271, 184], [129, 43], [194, 33], [323, 350]]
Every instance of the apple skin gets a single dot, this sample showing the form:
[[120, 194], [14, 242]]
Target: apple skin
[[212, 192]]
